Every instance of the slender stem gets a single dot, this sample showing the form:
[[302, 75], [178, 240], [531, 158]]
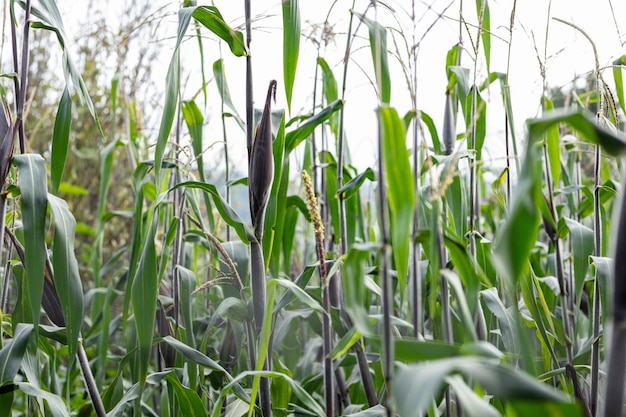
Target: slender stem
[[90, 382], [23, 77], [416, 288], [249, 91], [387, 298], [595, 347]]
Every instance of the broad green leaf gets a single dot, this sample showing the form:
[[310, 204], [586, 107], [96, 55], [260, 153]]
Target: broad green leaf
[[479, 119], [291, 44], [582, 239], [484, 16], [224, 91], [12, 352], [144, 292], [50, 16], [434, 136], [618, 67], [66, 277], [330, 91], [553, 143], [294, 137], [517, 236], [188, 400], [60, 140], [400, 188], [376, 411], [523, 408], [34, 197], [230, 216], [584, 123], [352, 187], [505, 319], [470, 402], [411, 350], [172, 84], [195, 121], [378, 46], [55, 404], [129, 395], [354, 289], [300, 393], [604, 268], [332, 201], [415, 386], [280, 390], [211, 18]]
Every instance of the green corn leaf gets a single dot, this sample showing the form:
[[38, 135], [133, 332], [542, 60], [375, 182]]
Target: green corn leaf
[[517, 236], [479, 119], [296, 136], [172, 81], [230, 216], [50, 17], [195, 121], [522, 408], [400, 188], [618, 67], [211, 18], [582, 239], [34, 197], [330, 91], [554, 145], [291, 44], [352, 187], [354, 289], [432, 130], [469, 401], [129, 395], [56, 406], [60, 140], [224, 92], [13, 351], [189, 402], [378, 46], [584, 123], [482, 8], [144, 292], [66, 276], [505, 319]]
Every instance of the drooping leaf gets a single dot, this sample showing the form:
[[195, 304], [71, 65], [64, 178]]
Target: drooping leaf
[[60, 140], [378, 46], [34, 197], [66, 277], [56, 406], [294, 137], [188, 400], [12, 352]]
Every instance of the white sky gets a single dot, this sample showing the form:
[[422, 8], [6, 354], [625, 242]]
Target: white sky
[[568, 52]]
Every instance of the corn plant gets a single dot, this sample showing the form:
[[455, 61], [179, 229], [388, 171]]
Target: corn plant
[[430, 283]]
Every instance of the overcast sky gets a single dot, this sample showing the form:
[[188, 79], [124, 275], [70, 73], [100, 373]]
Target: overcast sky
[[568, 54]]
